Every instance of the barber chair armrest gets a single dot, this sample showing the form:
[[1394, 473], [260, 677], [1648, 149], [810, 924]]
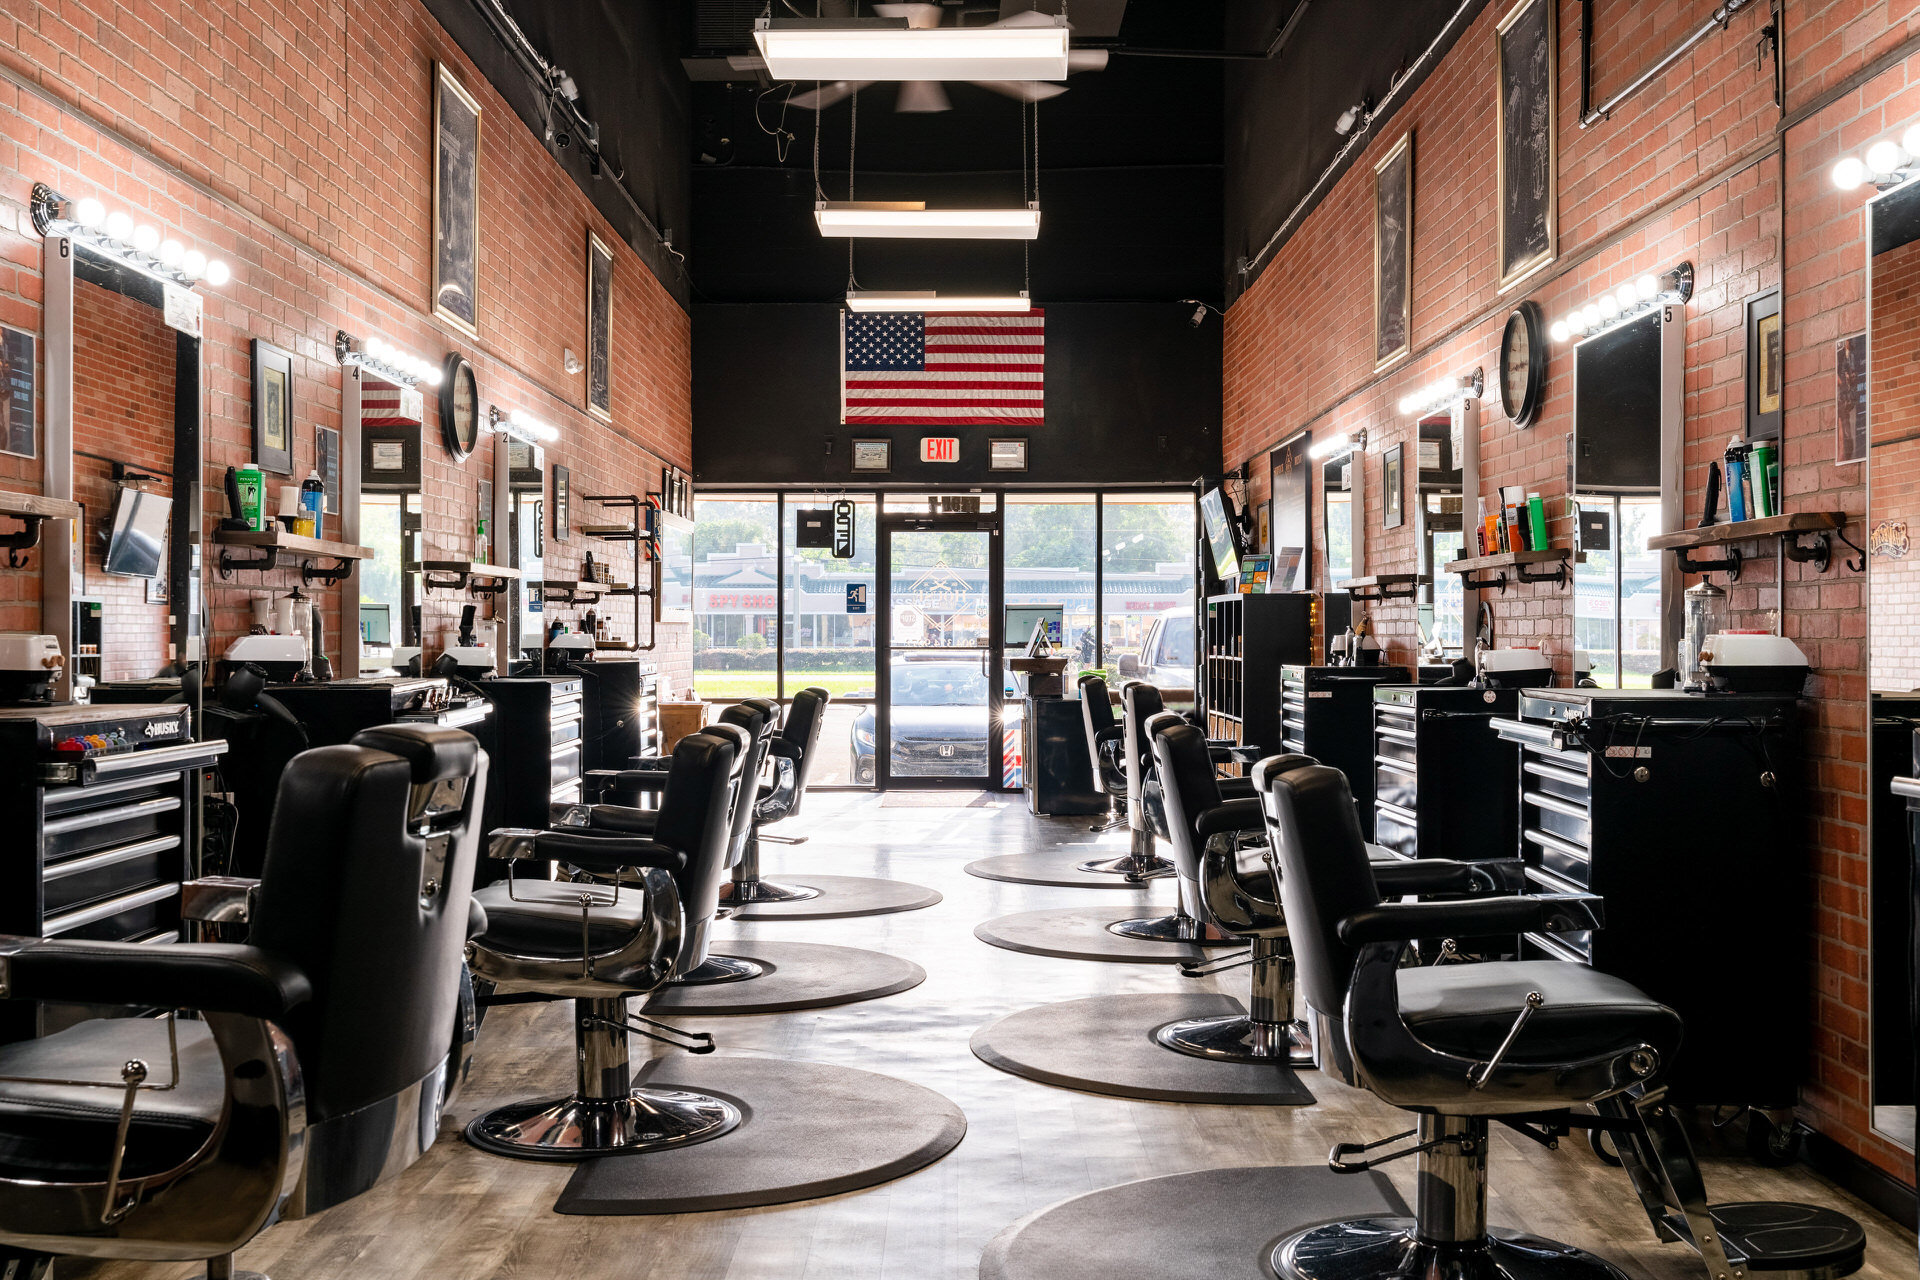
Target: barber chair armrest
[[1444, 875], [590, 851], [644, 764], [1112, 733], [1238, 789], [1233, 815], [1472, 918], [612, 819], [781, 749], [218, 899], [208, 977]]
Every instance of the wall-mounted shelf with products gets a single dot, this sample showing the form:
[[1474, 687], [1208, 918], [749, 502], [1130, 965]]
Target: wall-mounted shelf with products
[[1486, 573], [1820, 526], [1384, 586], [272, 544], [32, 511], [466, 575], [569, 591]]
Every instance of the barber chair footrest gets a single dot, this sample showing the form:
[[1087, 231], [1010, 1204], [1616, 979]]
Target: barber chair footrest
[[1780, 1238], [576, 1128], [738, 893], [1154, 868], [1386, 1249], [716, 969], [1238, 1038], [1174, 928]]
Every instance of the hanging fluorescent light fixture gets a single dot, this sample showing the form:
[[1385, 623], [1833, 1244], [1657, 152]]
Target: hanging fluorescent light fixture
[[1341, 445], [1624, 305], [1441, 396], [117, 235], [886, 49], [928, 300], [384, 360], [912, 220], [521, 426]]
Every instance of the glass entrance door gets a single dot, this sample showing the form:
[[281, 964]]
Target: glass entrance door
[[938, 716]]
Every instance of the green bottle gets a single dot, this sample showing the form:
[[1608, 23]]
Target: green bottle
[[252, 485]]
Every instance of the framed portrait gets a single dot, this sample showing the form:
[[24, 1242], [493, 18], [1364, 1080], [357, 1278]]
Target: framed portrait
[[873, 455], [1393, 253], [19, 354], [1263, 526], [1393, 488], [1850, 399], [562, 501], [272, 408], [1523, 48], [1766, 365], [456, 202], [599, 328]]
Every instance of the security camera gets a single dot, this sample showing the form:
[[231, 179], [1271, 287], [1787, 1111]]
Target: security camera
[[1359, 113], [1199, 314]]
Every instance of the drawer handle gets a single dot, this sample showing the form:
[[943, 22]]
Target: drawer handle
[[1540, 769], [1395, 766], [1398, 735], [68, 921], [1405, 815], [111, 857], [1554, 804], [1558, 845], [107, 817]]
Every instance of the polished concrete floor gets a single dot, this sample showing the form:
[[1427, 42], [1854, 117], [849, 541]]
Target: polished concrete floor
[[459, 1213]]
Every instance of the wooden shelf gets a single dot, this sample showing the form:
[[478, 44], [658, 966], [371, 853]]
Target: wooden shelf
[[31, 506], [1513, 566], [569, 591], [1385, 586], [1819, 525], [467, 574], [275, 543], [609, 532]]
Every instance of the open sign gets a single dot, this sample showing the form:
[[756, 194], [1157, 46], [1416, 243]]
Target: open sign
[[940, 449]]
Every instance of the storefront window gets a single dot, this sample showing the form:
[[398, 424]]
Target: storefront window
[[1147, 560], [381, 619], [1616, 609], [735, 598], [828, 629], [1050, 556]]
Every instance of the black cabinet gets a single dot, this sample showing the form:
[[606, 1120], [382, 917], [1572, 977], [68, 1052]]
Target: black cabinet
[[1442, 778], [1327, 713], [1243, 644], [1683, 811], [620, 705], [1056, 772]]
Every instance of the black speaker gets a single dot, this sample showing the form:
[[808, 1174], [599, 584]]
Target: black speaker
[[813, 528]]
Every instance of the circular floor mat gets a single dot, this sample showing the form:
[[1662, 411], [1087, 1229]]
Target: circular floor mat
[[840, 896], [1058, 868], [811, 1130], [1219, 1223], [1104, 1044], [799, 975], [1081, 933]]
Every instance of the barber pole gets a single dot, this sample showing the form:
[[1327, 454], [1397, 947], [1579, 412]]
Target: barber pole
[[1010, 756]]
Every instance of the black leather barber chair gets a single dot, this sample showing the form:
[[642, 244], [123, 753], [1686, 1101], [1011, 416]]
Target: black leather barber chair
[[1106, 750], [601, 944], [1520, 1042], [319, 1062], [1139, 702], [792, 753]]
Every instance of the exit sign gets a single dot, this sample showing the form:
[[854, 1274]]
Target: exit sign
[[940, 449]]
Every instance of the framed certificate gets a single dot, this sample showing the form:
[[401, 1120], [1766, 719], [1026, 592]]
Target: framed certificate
[[873, 455]]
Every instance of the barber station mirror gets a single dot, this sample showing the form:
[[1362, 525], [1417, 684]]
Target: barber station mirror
[[1343, 493], [1878, 430], [1440, 533], [525, 547]]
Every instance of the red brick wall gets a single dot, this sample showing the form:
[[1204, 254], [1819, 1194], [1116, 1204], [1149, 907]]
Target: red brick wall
[[295, 141], [1690, 169]]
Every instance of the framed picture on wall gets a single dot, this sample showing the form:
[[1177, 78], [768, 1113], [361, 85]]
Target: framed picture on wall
[[21, 370], [599, 328], [326, 460], [1766, 365], [272, 408], [1524, 98], [1393, 253], [456, 202], [1263, 526], [1850, 399], [1393, 488], [873, 455], [562, 500]]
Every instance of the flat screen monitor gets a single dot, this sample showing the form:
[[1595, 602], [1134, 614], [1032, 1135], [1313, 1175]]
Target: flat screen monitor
[[376, 624], [1226, 556], [139, 534], [1024, 619]]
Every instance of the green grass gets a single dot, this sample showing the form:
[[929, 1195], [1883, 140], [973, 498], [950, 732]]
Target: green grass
[[722, 686]]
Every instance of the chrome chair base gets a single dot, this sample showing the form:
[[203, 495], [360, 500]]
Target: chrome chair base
[[1238, 1038], [738, 893], [1387, 1249], [576, 1128], [1173, 928], [715, 969], [1150, 868]]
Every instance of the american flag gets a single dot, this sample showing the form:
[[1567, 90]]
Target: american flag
[[943, 369]]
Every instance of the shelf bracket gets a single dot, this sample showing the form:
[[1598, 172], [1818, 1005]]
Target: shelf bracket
[[1557, 574], [1729, 563], [332, 575], [1470, 583], [442, 580], [22, 540], [1377, 595], [265, 562], [1819, 555], [476, 586]]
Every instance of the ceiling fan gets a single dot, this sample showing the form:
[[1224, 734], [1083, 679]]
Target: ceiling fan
[[922, 96]]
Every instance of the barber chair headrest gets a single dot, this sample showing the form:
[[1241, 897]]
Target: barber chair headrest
[[739, 735], [1269, 767], [756, 715], [433, 754]]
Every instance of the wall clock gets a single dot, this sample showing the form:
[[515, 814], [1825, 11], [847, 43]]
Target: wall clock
[[459, 407], [1523, 364]]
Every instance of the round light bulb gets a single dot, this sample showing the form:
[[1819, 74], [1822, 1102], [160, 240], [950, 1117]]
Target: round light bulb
[[1609, 306], [1647, 287], [1910, 140], [1575, 322], [218, 273], [89, 212], [171, 251], [1628, 296], [1592, 314], [1885, 156], [194, 264], [145, 238], [376, 348], [1406, 404], [119, 225], [1559, 332], [433, 376], [1849, 172]]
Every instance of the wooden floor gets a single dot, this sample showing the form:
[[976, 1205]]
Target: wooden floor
[[459, 1213]]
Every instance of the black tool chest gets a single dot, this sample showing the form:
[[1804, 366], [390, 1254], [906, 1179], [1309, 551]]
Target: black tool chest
[[1327, 713], [1442, 778]]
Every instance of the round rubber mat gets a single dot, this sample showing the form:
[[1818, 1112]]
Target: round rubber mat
[[841, 896], [1081, 933], [1104, 1044], [811, 1130], [1218, 1223], [1058, 868], [799, 975]]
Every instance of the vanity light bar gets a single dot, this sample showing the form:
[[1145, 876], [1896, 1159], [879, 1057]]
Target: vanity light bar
[[1444, 394], [1885, 163], [521, 426], [912, 220], [384, 360], [928, 300], [117, 234], [1340, 445], [1628, 302], [885, 49]]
